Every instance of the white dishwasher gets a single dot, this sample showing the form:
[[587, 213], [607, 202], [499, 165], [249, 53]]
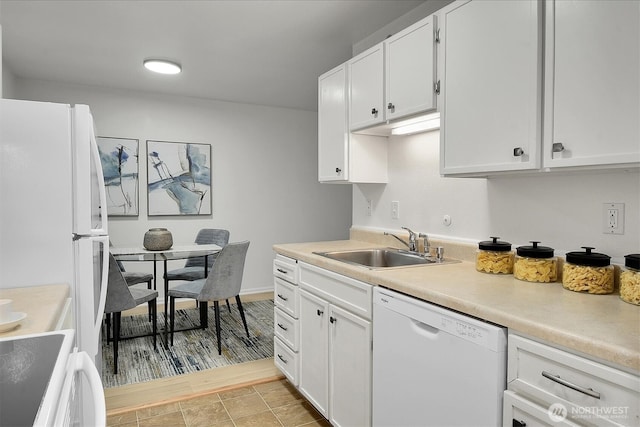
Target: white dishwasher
[[433, 366]]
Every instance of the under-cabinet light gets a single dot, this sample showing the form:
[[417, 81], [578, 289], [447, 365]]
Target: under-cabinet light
[[417, 125], [162, 66]]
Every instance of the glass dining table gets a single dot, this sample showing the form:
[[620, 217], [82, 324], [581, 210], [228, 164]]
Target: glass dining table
[[173, 253]]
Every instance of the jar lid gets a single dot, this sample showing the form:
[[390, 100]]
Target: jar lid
[[588, 258], [495, 245], [632, 261], [535, 251]]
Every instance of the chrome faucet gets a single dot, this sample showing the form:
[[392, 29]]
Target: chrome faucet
[[412, 245]]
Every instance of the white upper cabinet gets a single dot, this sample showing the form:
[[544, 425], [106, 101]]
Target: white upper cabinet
[[344, 157], [410, 70], [491, 104], [393, 79], [592, 84], [332, 125], [366, 85]]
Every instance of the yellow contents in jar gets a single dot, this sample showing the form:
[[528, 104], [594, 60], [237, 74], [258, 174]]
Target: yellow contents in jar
[[593, 280], [630, 287], [535, 269], [494, 262]]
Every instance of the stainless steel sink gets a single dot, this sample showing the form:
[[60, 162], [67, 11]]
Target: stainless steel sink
[[383, 258]]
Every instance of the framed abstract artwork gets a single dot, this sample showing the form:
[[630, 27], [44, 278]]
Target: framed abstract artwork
[[178, 178], [119, 158]]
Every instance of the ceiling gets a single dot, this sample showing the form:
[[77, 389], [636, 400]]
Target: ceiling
[[259, 52]]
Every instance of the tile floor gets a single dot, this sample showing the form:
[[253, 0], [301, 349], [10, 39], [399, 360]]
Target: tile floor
[[275, 403]]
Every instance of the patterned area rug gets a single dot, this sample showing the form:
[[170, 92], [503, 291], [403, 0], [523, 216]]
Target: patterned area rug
[[193, 350]]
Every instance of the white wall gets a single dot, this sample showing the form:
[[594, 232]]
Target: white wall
[[563, 211], [264, 174]]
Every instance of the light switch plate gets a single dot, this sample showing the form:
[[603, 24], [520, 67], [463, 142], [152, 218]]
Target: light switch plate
[[395, 210]]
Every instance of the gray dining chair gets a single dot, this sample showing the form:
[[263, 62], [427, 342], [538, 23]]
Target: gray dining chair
[[135, 278], [194, 267], [223, 282], [120, 297]]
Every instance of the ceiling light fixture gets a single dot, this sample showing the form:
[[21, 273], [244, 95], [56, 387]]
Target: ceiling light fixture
[[162, 66]]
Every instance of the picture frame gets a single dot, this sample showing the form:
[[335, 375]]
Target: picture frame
[[178, 178], [120, 168]]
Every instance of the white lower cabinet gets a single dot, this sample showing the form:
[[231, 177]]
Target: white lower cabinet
[[550, 385], [335, 345], [285, 316]]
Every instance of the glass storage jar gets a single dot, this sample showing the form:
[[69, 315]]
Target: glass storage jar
[[494, 256], [589, 272], [630, 279], [535, 264]]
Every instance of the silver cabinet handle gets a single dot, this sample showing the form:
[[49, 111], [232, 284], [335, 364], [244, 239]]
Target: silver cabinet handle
[[374, 111], [281, 326], [557, 379], [391, 107], [518, 151], [282, 358], [282, 297], [282, 271], [557, 147]]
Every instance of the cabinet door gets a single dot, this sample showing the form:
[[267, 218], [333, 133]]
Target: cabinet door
[[349, 369], [491, 88], [410, 70], [314, 351], [366, 85], [519, 412], [332, 126], [593, 86]]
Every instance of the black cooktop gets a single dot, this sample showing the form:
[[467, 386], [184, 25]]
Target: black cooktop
[[26, 364]]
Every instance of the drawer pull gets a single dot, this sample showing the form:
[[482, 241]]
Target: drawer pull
[[283, 298], [282, 271], [282, 358], [557, 379], [281, 326]]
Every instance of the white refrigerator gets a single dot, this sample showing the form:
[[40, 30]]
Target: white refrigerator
[[53, 222]]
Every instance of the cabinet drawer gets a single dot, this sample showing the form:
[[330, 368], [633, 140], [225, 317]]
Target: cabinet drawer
[[350, 294], [592, 392], [286, 360], [286, 297], [286, 268], [286, 328], [518, 412]]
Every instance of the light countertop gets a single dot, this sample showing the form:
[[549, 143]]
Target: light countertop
[[43, 305], [601, 326]]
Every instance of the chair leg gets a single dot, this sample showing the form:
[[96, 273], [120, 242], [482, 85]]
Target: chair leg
[[244, 320], [172, 315], [149, 287], [216, 309], [204, 316], [228, 306], [116, 337], [154, 326], [108, 321]]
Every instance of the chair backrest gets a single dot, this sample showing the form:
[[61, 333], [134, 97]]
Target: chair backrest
[[119, 296], [208, 236], [225, 278], [120, 265]]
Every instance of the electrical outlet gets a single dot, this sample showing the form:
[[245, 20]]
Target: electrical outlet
[[395, 210], [368, 207], [613, 218]]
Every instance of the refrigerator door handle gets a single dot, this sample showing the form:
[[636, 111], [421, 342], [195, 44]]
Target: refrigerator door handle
[[103, 283], [80, 362], [102, 230]]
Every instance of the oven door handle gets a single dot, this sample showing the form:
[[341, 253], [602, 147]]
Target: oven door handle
[[81, 362]]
